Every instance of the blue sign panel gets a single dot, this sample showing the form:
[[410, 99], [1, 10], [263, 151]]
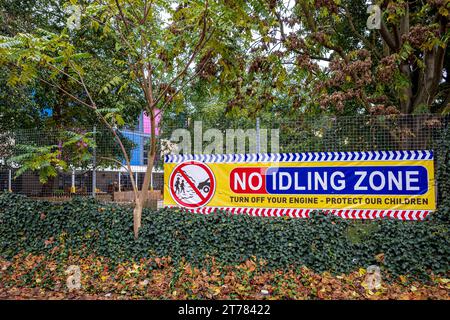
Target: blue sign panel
[[369, 180]]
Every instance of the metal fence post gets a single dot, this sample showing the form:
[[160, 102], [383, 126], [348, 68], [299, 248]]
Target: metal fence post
[[151, 181], [94, 159], [258, 137], [72, 187], [10, 180], [136, 178]]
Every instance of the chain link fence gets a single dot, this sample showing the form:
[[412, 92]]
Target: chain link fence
[[90, 162]]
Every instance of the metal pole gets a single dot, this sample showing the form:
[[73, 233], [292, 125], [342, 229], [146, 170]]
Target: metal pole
[[151, 181], [72, 188], [258, 138], [10, 180], [136, 178], [94, 160], [119, 181]]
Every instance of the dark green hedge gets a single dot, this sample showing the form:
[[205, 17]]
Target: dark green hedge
[[323, 243]]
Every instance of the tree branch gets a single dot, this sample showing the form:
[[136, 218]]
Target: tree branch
[[93, 107], [193, 55], [387, 37], [358, 35]]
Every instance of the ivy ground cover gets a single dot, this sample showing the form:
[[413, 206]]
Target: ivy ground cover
[[218, 256]]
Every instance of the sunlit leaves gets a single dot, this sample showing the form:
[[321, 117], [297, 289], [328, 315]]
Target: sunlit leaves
[[47, 160], [115, 81]]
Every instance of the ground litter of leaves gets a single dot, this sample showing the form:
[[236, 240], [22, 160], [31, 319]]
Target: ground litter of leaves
[[29, 276]]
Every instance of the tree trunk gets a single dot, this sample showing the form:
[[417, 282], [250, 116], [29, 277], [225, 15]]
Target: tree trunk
[[137, 215], [140, 202]]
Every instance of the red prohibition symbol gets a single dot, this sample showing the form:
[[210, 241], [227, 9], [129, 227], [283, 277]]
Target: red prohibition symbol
[[192, 184]]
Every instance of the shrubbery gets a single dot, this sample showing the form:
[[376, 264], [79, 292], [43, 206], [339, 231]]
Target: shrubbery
[[322, 243]]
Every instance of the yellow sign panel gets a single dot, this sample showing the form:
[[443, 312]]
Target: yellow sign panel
[[350, 184]]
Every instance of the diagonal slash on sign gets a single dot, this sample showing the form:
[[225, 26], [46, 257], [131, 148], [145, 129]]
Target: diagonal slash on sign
[[192, 185]]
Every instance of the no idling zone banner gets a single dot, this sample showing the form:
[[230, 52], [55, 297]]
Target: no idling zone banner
[[355, 185]]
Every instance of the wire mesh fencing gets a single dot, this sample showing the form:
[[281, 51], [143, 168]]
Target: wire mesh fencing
[[57, 165], [60, 164]]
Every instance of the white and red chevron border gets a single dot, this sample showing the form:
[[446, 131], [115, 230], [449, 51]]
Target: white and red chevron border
[[303, 156], [304, 213]]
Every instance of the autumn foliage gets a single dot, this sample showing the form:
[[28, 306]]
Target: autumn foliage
[[41, 277]]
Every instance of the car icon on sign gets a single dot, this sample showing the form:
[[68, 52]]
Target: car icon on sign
[[204, 186]]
